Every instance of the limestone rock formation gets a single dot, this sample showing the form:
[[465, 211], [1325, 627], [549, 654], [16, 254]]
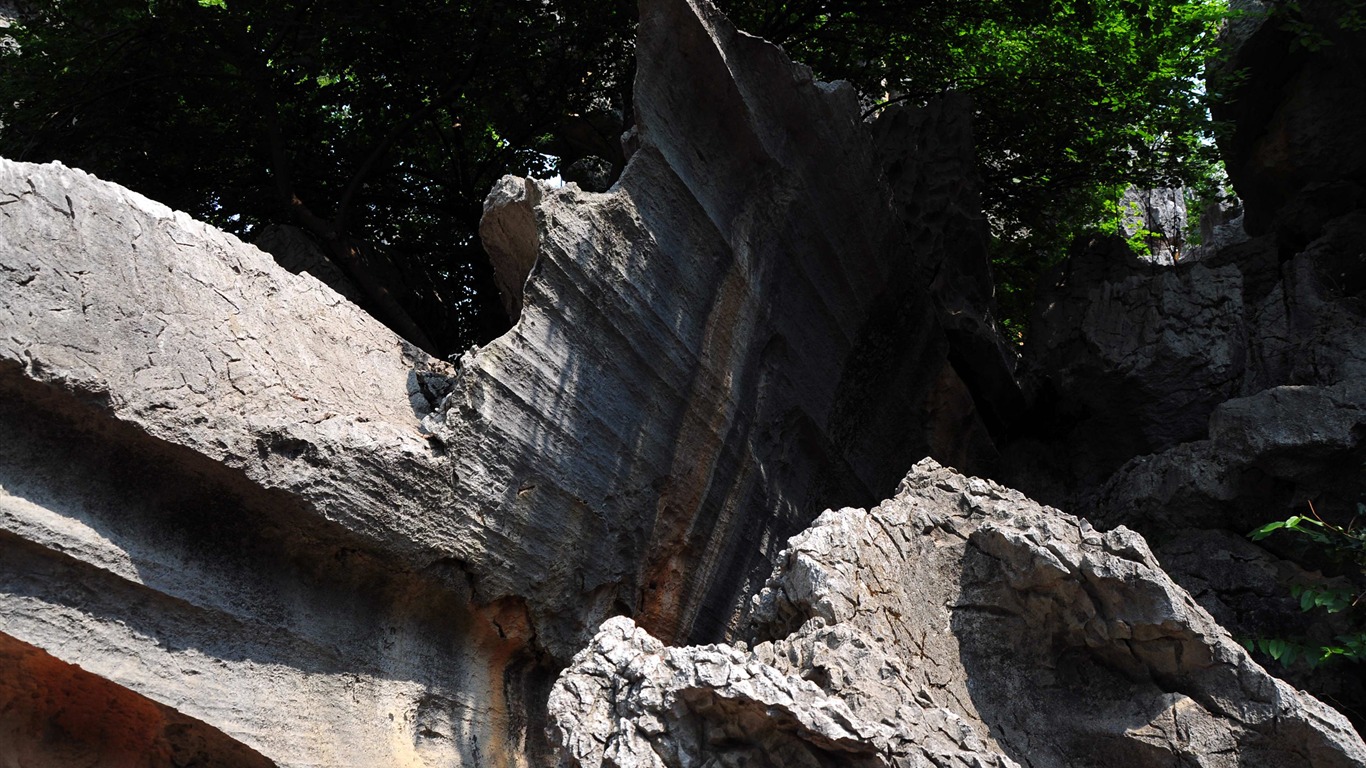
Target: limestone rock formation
[[1159, 216], [628, 700], [337, 551], [235, 504], [703, 354], [1133, 358], [1199, 401], [214, 491], [957, 624]]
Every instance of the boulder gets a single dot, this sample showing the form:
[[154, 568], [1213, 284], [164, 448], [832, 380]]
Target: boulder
[[956, 624]]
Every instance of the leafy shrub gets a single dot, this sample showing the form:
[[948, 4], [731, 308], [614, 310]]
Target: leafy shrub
[[1343, 545]]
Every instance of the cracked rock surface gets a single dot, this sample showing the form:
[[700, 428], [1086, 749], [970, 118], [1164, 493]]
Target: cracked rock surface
[[958, 623], [337, 551]]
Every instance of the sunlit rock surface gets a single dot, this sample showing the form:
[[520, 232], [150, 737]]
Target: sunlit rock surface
[[245, 505], [737, 335], [225, 489], [956, 624]]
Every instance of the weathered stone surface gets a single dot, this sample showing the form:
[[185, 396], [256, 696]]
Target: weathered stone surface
[[1242, 373], [958, 623], [225, 489], [1160, 216], [1130, 358], [508, 231], [1221, 226], [337, 551], [214, 491], [702, 354], [930, 162], [55, 715], [628, 700], [1265, 452]]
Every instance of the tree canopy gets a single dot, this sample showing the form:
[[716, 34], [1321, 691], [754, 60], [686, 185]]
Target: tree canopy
[[1077, 99], [379, 127]]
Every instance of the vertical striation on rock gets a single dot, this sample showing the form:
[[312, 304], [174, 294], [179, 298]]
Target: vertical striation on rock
[[228, 492], [702, 355], [336, 550]]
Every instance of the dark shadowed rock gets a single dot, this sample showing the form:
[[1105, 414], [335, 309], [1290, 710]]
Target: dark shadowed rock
[[592, 174], [1202, 401], [1290, 88], [1131, 358]]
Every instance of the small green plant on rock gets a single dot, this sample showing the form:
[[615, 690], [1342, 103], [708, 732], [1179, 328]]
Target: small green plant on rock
[[1345, 545]]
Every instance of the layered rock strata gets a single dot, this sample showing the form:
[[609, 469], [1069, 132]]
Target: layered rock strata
[[214, 491], [707, 354], [956, 624], [227, 490]]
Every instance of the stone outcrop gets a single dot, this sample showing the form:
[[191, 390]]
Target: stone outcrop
[[239, 508], [214, 491], [336, 551], [1159, 216], [703, 354], [1199, 401], [957, 624]]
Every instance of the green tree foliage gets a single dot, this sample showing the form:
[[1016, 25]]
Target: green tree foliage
[[1343, 546], [380, 126], [1076, 99]]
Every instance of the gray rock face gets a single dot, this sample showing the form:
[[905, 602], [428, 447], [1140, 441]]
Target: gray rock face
[[956, 624], [228, 493], [1221, 226], [1132, 358], [702, 353], [1198, 402], [337, 551], [214, 492], [1161, 214], [55, 715], [508, 231]]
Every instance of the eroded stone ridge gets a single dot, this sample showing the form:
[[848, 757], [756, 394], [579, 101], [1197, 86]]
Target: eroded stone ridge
[[337, 551], [736, 335], [958, 623]]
